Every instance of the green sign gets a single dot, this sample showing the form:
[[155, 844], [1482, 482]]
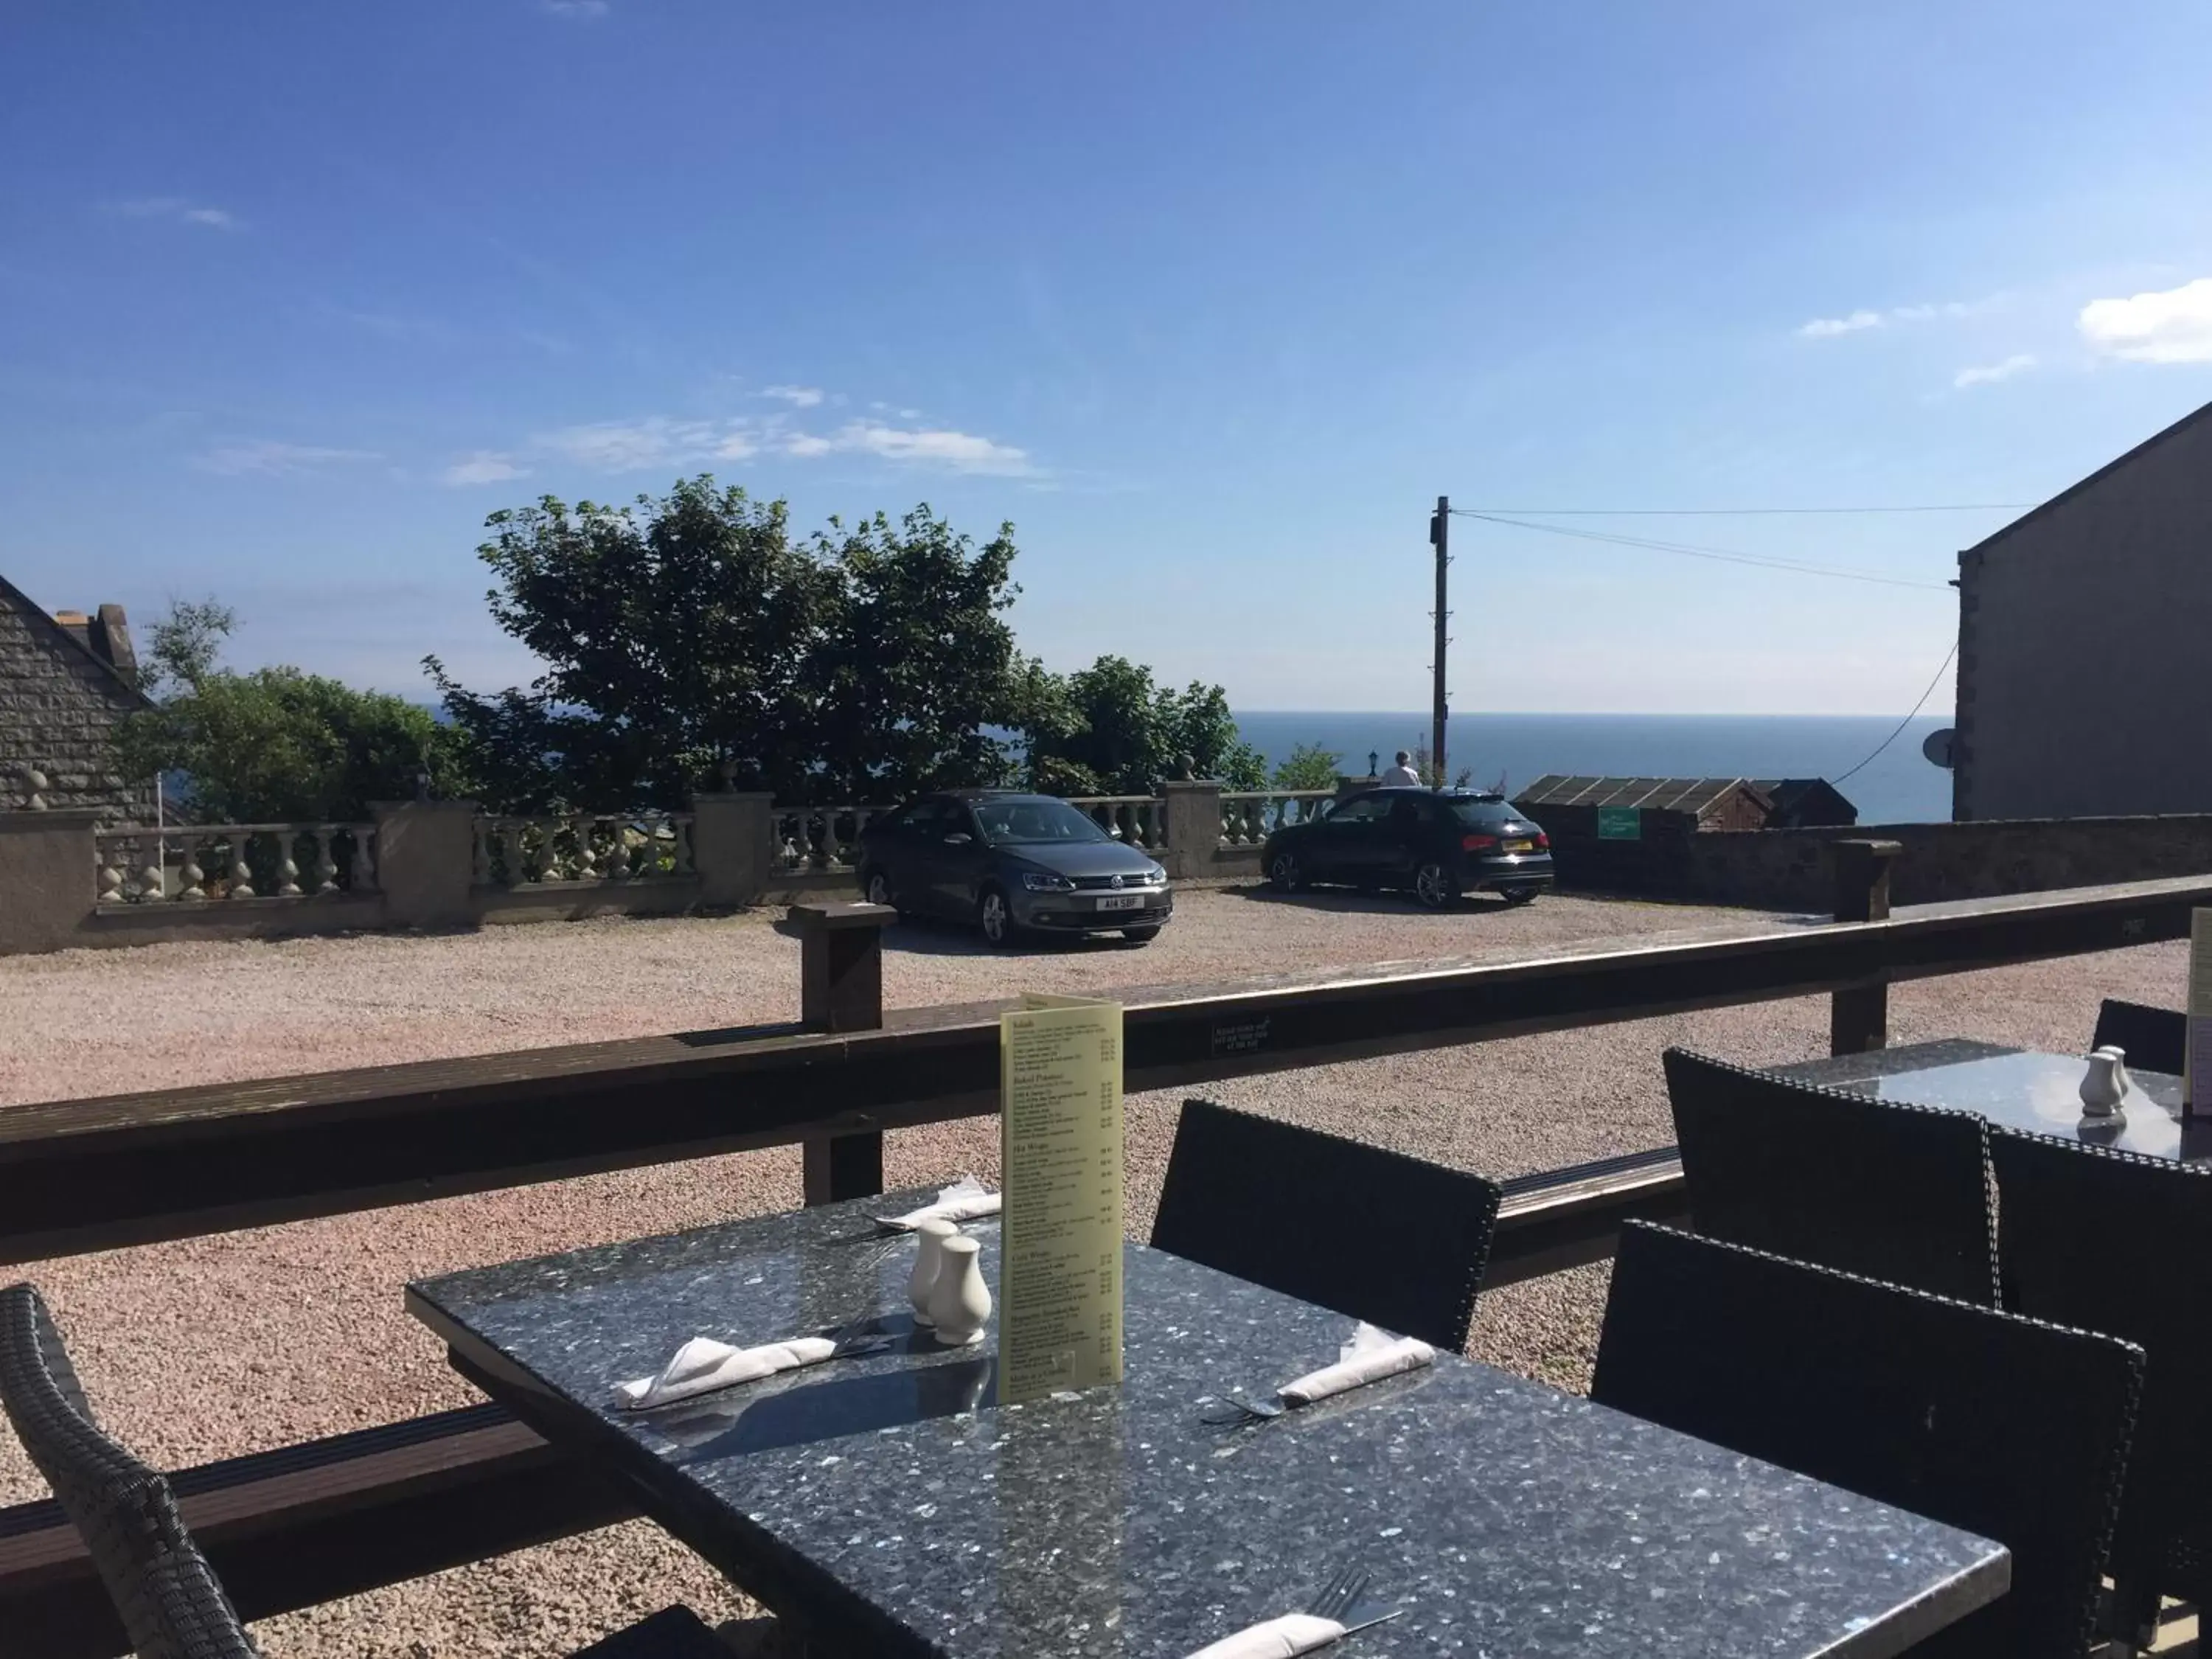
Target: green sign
[[1619, 823]]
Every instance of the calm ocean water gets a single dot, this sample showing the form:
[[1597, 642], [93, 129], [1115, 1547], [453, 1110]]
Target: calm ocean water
[[1899, 787]]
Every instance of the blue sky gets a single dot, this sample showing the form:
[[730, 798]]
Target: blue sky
[[1212, 300]]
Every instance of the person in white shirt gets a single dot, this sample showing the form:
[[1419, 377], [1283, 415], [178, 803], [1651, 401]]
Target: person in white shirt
[[1402, 773]]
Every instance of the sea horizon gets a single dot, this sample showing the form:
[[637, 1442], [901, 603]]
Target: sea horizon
[[1898, 785]]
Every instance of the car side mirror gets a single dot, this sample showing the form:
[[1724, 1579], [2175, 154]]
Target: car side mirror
[[958, 838]]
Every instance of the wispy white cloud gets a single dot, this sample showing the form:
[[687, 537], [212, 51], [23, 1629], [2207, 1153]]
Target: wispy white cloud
[[275, 459], [2173, 326], [798, 397], [1825, 328], [658, 441], [179, 210], [485, 466], [962, 451], [1990, 373], [576, 8]]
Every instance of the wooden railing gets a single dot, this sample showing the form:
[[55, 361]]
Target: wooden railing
[[330, 1517]]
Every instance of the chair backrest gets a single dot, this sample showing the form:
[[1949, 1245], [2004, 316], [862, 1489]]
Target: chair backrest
[[2002, 1426], [2156, 1039], [2089, 1236], [1382, 1236], [123, 1510], [1896, 1193]]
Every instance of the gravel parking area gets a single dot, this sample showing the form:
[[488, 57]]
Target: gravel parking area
[[214, 1347]]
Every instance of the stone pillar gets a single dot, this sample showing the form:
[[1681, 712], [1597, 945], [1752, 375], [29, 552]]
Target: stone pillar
[[426, 861], [733, 846], [1348, 785], [49, 879], [1858, 1016], [841, 989], [1192, 828]]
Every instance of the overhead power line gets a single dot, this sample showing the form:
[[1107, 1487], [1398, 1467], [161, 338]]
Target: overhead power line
[[1688, 549], [1726, 511], [1907, 721]]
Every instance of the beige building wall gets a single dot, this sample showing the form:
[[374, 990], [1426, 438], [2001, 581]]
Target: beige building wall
[[2085, 645]]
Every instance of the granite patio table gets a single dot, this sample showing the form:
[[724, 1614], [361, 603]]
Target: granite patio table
[[889, 1503], [2035, 1093]]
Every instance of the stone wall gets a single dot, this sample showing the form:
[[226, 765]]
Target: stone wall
[[1791, 869], [59, 707]]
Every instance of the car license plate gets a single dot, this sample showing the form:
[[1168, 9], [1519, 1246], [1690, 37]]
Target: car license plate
[[1520, 845], [1122, 902]]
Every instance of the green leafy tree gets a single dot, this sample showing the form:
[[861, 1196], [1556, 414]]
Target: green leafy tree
[[678, 638], [276, 744], [1108, 729], [1310, 767], [690, 637], [917, 661]]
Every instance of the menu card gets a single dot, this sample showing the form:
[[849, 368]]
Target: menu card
[[1060, 1271], [2197, 1062]]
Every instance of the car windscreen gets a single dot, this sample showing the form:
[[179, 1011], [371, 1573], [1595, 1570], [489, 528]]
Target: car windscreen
[[1029, 823], [1485, 814]]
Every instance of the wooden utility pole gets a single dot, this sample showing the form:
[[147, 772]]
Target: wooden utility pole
[[1440, 538]]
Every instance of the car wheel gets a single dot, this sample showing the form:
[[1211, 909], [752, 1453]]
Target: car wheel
[[1434, 886], [1521, 895], [1283, 874], [995, 917], [1140, 935]]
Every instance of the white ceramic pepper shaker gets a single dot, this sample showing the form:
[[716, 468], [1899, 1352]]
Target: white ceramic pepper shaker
[[928, 1255], [960, 1302]]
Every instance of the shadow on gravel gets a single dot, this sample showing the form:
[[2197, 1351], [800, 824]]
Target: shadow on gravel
[[944, 939], [1346, 901]]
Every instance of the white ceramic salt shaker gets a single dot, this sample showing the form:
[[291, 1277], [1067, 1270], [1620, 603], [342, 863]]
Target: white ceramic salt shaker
[[2102, 1086], [928, 1256], [2119, 1066], [960, 1302]]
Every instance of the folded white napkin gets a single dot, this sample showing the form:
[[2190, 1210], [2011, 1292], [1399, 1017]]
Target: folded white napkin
[[965, 1200], [1278, 1638], [703, 1364], [1370, 1355]]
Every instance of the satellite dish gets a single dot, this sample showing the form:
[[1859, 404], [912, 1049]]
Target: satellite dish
[[1938, 746]]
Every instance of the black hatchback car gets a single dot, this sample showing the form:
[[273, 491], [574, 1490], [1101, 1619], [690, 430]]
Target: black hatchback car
[[1437, 843], [1010, 862]]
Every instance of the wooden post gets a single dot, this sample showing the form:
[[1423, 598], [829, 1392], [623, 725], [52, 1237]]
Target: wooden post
[[1858, 1015], [841, 989], [1440, 538]]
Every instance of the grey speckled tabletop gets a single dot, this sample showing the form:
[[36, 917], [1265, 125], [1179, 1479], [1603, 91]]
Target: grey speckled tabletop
[[2037, 1094], [890, 1498]]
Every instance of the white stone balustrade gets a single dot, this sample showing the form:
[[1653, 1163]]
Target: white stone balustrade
[[821, 837], [582, 849], [1136, 820], [225, 863], [1249, 816]]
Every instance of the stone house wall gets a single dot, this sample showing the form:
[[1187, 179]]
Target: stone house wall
[[59, 707]]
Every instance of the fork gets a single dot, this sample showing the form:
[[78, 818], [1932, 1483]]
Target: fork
[[858, 1337], [1237, 1406], [1340, 1594]]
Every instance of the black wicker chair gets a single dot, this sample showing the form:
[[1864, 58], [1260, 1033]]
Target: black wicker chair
[[1893, 1192], [2002, 1425], [170, 1601], [122, 1509], [2090, 1236], [2156, 1039], [1375, 1234]]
